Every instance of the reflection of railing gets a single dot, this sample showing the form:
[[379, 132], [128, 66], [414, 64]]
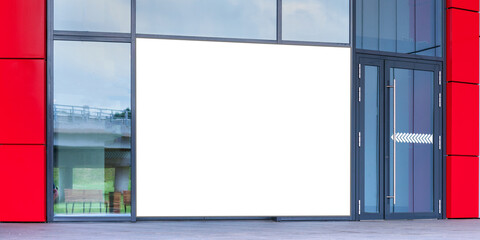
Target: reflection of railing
[[85, 114]]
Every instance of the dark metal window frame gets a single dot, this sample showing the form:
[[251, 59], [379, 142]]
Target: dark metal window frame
[[53, 35]]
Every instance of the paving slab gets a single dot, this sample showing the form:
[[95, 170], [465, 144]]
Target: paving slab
[[233, 230]]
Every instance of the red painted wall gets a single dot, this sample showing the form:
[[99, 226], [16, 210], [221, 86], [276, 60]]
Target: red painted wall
[[462, 119], [22, 101], [462, 46], [22, 27], [22, 106], [463, 4], [462, 137], [462, 187], [22, 177]]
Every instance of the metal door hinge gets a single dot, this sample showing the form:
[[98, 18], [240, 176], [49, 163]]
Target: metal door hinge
[[359, 71], [360, 94], [359, 139], [440, 206], [359, 207], [440, 100], [440, 78], [439, 142]]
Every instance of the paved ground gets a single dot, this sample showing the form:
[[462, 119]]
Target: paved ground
[[232, 230]]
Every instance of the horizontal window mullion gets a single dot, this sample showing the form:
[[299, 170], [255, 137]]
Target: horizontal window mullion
[[92, 38], [157, 36], [92, 34]]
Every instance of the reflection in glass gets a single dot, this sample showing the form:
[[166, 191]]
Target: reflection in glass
[[92, 15], [402, 26], [316, 20], [251, 19], [92, 128], [414, 155], [371, 127]]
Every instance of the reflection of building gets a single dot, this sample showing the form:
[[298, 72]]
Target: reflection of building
[[293, 110]]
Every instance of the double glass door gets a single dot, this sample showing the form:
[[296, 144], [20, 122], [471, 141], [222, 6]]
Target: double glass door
[[399, 139]]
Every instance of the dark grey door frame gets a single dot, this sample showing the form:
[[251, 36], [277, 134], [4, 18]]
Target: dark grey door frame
[[384, 63]]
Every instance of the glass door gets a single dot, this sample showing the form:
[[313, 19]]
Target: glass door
[[412, 134], [399, 158]]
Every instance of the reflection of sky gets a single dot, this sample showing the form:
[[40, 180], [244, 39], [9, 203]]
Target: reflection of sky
[[255, 19], [92, 15], [92, 73], [316, 20]]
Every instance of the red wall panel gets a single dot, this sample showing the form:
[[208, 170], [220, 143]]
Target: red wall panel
[[22, 101], [462, 119], [22, 175], [462, 46], [22, 27], [462, 187], [464, 4]]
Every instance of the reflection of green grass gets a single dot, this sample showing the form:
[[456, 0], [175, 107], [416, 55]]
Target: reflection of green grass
[[91, 179], [60, 208]]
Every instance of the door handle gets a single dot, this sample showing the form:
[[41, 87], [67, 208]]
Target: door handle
[[394, 141]]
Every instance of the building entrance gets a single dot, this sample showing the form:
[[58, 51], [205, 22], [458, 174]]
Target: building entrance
[[399, 124]]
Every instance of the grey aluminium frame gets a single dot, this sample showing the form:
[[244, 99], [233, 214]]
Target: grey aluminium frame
[[131, 38], [93, 37]]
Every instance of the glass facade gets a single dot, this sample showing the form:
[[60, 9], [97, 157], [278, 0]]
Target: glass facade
[[316, 20], [92, 15], [400, 26], [92, 128], [323, 21], [252, 19]]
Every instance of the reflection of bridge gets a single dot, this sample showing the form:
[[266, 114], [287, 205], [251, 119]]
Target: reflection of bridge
[[73, 117], [92, 138]]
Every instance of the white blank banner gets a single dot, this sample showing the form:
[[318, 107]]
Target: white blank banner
[[238, 129]]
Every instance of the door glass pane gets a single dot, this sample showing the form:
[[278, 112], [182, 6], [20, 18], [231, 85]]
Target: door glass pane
[[414, 141], [423, 148], [371, 127], [92, 128]]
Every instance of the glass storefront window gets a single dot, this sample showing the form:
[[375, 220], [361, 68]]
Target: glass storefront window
[[316, 20], [247, 19], [92, 128], [93, 15], [402, 26]]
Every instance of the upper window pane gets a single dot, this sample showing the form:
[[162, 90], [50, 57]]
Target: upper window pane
[[248, 19], [92, 15], [316, 20], [407, 26]]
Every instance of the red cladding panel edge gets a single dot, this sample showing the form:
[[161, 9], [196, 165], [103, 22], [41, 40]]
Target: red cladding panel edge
[[462, 187], [464, 4], [23, 28], [462, 119], [22, 99], [462, 46], [22, 175]]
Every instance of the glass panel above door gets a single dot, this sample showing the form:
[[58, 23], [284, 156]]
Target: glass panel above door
[[401, 26]]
